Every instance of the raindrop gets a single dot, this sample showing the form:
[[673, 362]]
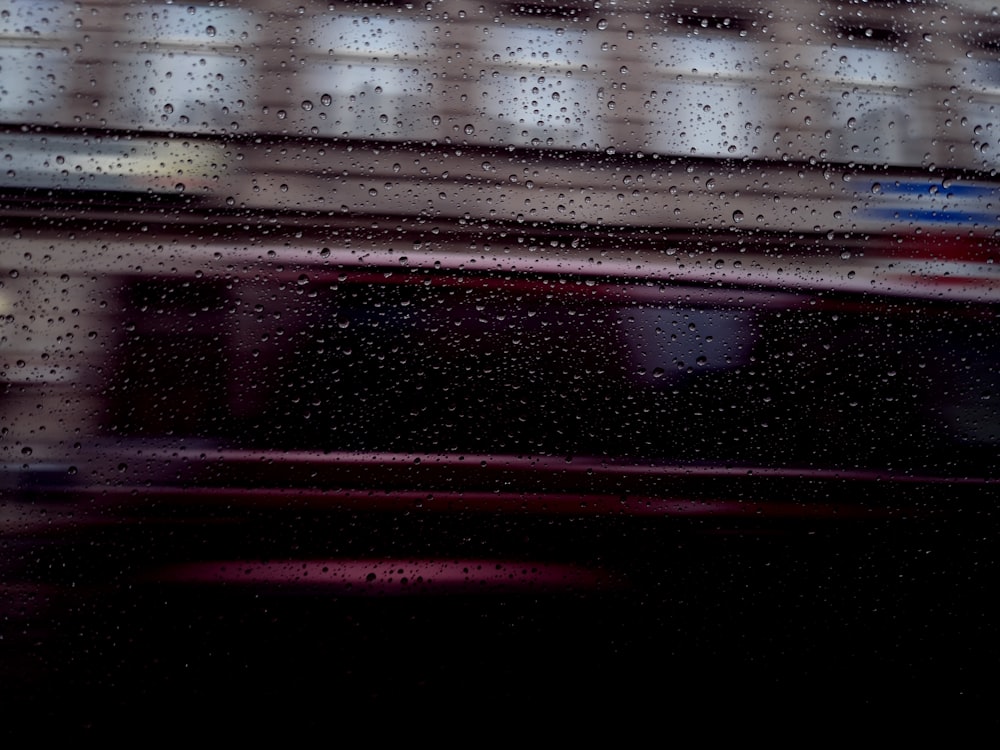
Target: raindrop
[[307, 105], [737, 216]]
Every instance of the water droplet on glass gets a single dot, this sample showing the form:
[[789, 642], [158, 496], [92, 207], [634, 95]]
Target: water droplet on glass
[[737, 216], [307, 105]]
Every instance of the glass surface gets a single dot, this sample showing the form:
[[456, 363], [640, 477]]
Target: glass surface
[[457, 353]]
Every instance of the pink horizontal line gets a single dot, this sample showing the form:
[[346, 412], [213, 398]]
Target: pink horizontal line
[[553, 464], [383, 576], [511, 502]]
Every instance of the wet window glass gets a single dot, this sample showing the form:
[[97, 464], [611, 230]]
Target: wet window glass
[[568, 340]]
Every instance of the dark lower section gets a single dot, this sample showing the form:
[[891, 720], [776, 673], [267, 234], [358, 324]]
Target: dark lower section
[[794, 623]]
